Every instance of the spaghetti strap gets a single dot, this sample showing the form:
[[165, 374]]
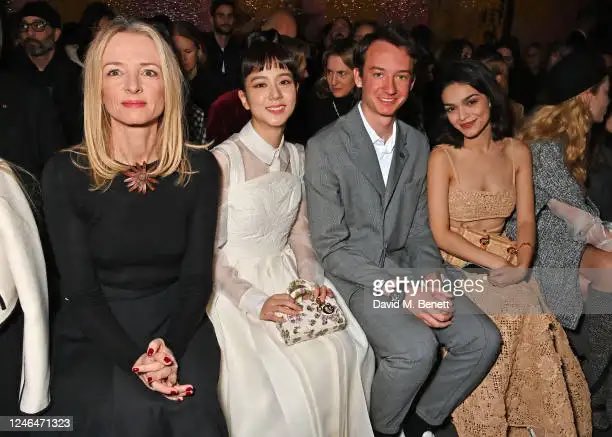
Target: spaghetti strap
[[450, 159], [512, 160]]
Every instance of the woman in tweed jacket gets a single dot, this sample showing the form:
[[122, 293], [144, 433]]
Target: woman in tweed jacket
[[577, 96]]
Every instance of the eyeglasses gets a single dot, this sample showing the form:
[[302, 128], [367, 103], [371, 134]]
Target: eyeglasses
[[36, 26]]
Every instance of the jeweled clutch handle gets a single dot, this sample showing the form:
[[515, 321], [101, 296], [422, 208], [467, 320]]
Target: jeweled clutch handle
[[316, 319]]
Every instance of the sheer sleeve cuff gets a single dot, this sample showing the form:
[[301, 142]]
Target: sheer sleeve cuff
[[252, 301]]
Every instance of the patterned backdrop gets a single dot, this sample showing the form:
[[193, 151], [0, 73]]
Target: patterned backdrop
[[402, 11]]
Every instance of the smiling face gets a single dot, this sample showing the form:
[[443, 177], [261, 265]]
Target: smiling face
[[387, 78], [339, 77], [132, 82], [270, 95], [467, 109]]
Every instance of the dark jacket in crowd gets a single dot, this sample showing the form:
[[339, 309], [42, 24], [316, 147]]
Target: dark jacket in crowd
[[224, 63], [600, 176], [321, 110], [205, 87], [30, 130], [62, 80]]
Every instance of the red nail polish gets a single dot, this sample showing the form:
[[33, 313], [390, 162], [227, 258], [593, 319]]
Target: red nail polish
[[173, 392], [135, 369], [150, 352], [167, 360], [149, 379]]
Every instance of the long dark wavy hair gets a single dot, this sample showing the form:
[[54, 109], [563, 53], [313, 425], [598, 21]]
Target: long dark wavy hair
[[479, 77]]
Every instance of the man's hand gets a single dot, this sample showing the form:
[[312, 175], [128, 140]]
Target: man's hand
[[430, 304]]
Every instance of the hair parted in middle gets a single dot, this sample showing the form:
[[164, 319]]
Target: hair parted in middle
[[96, 146], [188, 30], [345, 50], [479, 77]]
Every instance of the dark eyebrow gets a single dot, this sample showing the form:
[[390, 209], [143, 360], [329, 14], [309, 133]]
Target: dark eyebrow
[[397, 72], [287, 73], [257, 77], [470, 96]]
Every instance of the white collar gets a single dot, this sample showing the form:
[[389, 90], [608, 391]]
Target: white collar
[[389, 145], [264, 151]]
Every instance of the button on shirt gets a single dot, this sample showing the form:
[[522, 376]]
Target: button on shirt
[[384, 150]]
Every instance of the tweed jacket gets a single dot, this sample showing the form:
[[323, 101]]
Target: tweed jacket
[[558, 255], [23, 278], [362, 229]]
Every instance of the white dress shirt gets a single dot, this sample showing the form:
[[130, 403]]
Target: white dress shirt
[[384, 150]]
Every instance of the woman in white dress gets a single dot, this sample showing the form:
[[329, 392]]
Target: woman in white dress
[[316, 388]]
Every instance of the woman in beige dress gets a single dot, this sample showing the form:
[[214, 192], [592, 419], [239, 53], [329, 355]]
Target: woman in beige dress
[[477, 178]]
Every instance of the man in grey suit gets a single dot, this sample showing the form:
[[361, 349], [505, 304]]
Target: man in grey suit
[[367, 206]]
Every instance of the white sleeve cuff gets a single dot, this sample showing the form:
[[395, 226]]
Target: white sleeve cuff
[[252, 301]]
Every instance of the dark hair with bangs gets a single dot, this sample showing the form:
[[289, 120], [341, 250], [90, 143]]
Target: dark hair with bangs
[[387, 34], [263, 55], [479, 77]]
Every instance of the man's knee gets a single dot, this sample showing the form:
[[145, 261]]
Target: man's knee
[[415, 362]]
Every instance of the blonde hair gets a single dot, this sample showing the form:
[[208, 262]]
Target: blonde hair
[[96, 147], [569, 122]]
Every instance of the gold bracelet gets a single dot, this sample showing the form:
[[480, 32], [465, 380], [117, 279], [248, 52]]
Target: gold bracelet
[[524, 244]]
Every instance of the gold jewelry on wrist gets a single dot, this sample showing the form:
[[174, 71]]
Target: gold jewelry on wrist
[[524, 244]]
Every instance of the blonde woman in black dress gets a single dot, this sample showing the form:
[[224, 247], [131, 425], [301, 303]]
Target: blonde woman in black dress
[[132, 214]]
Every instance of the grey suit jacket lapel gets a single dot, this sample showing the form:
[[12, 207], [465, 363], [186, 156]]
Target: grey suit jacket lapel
[[361, 150], [400, 156]]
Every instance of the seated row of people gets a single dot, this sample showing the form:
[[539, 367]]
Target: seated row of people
[[175, 262]]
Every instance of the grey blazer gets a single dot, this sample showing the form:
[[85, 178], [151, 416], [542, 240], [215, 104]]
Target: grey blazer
[[361, 230]]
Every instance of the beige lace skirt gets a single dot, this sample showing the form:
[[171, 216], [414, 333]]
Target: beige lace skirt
[[536, 384]]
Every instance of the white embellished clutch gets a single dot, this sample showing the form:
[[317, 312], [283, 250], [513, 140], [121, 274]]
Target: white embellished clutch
[[316, 319]]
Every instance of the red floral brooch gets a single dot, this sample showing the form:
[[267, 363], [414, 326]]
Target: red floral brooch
[[139, 180]]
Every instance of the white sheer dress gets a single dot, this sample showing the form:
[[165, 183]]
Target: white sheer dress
[[317, 388]]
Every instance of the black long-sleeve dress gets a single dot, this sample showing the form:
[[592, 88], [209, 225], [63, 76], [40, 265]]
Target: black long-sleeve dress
[[133, 267]]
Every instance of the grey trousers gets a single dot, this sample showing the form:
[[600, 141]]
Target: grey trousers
[[407, 351]]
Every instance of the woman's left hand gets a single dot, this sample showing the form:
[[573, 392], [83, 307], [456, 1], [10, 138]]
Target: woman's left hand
[[321, 292], [507, 275]]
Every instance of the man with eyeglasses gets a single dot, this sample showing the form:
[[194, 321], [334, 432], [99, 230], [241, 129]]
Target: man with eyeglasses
[[38, 61]]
